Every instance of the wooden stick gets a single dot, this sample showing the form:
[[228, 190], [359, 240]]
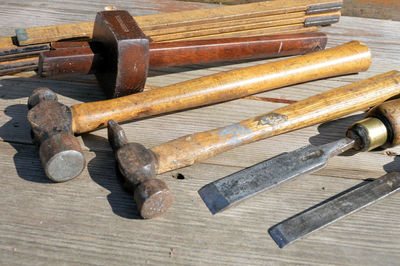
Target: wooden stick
[[288, 29], [348, 58], [36, 35], [264, 26]]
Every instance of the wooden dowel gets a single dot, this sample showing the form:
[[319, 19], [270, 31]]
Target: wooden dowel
[[225, 24], [268, 26], [295, 28], [348, 58], [206, 29], [323, 107], [45, 34]]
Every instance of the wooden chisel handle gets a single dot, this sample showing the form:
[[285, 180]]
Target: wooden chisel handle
[[329, 105], [344, 59]]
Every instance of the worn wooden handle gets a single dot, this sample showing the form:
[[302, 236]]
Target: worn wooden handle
[[222, 50], [389, 114], [348, 58], [329, 105], [82, 58]]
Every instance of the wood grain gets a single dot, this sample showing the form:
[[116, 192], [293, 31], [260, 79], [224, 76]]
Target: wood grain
[[91, 220]]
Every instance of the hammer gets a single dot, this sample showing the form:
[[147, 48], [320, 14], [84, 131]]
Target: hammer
[[53, 124], [121, 54], [197, 147]]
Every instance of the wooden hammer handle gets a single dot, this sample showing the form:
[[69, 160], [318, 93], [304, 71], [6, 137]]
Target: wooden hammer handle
[[329, 105], [348, 58]]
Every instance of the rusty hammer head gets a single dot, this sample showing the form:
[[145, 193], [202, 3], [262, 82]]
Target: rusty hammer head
[[51, 121], [119, 54], [138, 167]]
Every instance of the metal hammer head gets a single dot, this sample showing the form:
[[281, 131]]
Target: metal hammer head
[[138, 167], [51, 121], [126, 51]]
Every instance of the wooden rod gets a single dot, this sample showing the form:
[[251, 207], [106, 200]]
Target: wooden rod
[[214, 29], [229, 49], [287, 29], [323, 107], [348, 58], [53, 33]]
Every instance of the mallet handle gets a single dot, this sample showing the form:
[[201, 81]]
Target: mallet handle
[[81, 60], [222, 50], [348, 58], [329, 105]]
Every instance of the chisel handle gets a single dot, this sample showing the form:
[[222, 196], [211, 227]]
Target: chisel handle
[[329, 105], [85, 59], [348, 58], [380, 128]]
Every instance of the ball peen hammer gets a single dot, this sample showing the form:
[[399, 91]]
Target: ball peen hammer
[[121, 54], [54, 124], [196, 147]]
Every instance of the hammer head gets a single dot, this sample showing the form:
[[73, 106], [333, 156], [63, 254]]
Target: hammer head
[[125, 49], [138, 167], [51, 121]]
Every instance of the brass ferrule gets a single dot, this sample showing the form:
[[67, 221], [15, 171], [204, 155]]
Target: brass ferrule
[[369, 133]]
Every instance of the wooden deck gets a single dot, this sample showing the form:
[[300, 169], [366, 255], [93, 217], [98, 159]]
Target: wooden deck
[[92, 220]]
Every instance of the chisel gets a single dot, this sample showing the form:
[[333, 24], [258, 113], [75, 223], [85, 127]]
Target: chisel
[[380, 128], [338, 207]]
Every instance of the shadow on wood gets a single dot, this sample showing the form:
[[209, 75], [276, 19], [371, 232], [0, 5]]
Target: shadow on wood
[[121, 201]]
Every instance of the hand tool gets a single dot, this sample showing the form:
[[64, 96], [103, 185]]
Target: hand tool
[[332, 104], [152, 195], [51, 121], [221, 18], [380, 128], [121, 54], [79, 58], [337, 208]]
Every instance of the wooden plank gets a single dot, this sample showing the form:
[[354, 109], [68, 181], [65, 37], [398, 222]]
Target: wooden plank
[[61, 231], [91, 220]]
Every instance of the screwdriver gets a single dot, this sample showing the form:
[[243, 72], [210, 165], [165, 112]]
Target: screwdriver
[[380, 128]]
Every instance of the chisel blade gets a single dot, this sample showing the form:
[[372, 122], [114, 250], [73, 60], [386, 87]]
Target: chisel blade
[[238, 186], [321, 215]]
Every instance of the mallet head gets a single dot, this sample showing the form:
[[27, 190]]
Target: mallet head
[[138, 167], [125, 49], [118, 55], [51, 121]]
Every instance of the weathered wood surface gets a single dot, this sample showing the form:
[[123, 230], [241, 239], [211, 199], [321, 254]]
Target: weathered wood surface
[[91, 220]]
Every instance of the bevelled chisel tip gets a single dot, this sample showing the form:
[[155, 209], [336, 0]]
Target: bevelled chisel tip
[[213, 199], [277, 236]]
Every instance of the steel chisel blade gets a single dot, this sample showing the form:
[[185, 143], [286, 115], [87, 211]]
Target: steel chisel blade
[[238, 186], [321, 215]]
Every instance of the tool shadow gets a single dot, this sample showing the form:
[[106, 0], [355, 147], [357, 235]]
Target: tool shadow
[[85, 88], [103, 171], [16, 133], [20, 87], [364, 182], [334, 130]]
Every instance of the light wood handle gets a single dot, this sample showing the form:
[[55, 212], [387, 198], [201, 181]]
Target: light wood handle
[[389, 114], [348, 58], [329, 105]]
